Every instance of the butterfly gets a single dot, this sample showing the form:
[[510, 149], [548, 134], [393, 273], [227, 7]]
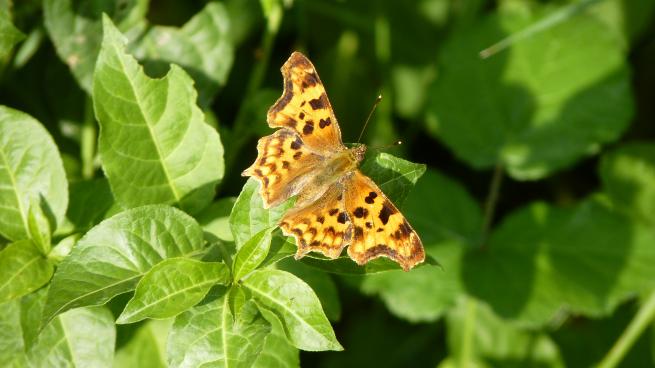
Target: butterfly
[[336, 205]]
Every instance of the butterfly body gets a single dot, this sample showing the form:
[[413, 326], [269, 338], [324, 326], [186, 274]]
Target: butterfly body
[[336, 205]]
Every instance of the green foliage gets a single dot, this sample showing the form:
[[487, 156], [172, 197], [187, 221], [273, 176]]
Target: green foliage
[[128, 237]]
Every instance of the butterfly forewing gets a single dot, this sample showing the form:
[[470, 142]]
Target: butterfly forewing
[[304, 107]]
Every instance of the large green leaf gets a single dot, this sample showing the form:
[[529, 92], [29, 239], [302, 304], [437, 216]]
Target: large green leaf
[[147, 348], [541, 259], [31, 173], [251, 254], [112, 257], [75, 28], [296, 306], [79, 213], [202, 47], [212, 335], [23, 269], [12, 347], [538, 106], [249, 216], [171, 287], [628, 175], [494, 341], [82, 337], [154, 144], [449, 221]]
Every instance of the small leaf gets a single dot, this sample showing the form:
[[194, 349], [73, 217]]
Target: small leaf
[[75, 29], [171, 287], [154, 144], [252, 254], [23, 269], [112, 257], [296, 305], [202, 47], [147, 347], [210, 335], [248, 215], [38, 226], [393, 175], [83, 337], [628, 174], [30, 170]]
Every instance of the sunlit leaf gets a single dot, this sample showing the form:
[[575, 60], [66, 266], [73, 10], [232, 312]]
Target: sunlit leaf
[[23, 269]]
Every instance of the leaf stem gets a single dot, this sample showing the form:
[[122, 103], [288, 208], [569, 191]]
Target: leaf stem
[[490, 203], [629, 336], [88, 140], [465, 354]]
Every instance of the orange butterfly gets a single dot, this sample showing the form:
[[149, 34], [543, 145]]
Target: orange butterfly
[[337, 205]]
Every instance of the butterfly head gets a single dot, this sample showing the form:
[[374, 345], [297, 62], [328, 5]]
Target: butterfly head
[[358, 152]]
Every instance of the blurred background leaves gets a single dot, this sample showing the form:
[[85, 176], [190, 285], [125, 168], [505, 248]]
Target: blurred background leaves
[[555, 257]]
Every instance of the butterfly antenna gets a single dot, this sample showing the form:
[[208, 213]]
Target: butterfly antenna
[[375, 104]]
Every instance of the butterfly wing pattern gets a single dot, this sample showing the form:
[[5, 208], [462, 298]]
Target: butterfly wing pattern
[[345, 209]]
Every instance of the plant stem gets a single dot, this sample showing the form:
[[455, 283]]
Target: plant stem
[[629, 336], [465, 354], [88, 140], [490, 203]]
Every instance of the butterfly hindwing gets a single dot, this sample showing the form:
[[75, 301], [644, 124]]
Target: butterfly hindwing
[[323, 226], [304, 107], [283, 166], [379, 229]]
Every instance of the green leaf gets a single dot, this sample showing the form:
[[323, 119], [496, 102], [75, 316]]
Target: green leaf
[[215, 218], [38, 226], [449, 222], [202, 47], [251, 254], [296, 305], [586, 259], [277, 352], [537, 107], [154, 144], [76, 30], [395, 176], [344, 265], [322, 284], [171, 287], [112, 257], [31, 306], [30, 170], [248, 215], [210, 335], [82, 192], [628, 174], [11, 334], [83, 337], [495, 341], [23, 269], [9, 35], [146, 348]]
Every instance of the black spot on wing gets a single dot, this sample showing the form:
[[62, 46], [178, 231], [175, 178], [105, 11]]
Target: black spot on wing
[[333, 211], [386, 211], [342, 218], [359, 233], [324, 122], [308, 128], [296, 156], [360, 212], [319, 103], [296, 144], [370, 199]]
